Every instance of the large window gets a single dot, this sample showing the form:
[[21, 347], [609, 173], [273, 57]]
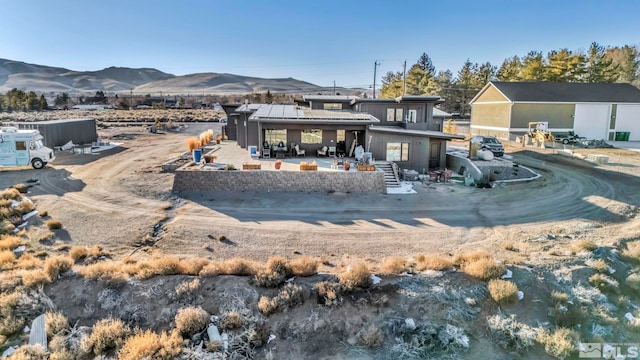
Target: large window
[[397, 151], [394, 115], [274, 137], [332, 106], [340, 136], [21, 145], [311, 136], [412, 116]]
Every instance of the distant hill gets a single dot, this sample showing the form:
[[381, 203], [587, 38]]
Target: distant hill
[[40, 78]]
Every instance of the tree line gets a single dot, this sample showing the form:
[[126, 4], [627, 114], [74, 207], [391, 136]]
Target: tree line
[[597, 64], [18, 100]]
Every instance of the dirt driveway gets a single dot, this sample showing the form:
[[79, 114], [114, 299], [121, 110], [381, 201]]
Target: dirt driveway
[[115, 199]]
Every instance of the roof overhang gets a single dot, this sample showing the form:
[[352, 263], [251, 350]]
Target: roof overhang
[[425, 133], [314, 121]]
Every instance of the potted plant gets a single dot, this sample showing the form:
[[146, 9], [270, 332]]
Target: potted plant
[[193, 145], [278, 164], [346, 166]]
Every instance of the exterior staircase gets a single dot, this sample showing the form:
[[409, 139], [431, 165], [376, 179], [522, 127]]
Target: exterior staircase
[[391, 177]]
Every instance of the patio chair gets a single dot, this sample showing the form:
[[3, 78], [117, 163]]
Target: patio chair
[[299, 152], [266, 150], [323, 151]]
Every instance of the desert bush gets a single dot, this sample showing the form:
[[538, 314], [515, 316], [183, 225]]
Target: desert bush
[[35, 278], [370, 337], [44, 213], [78, 253], [632, 252], [268, 278], [10, 322], [393, 265], [10, 193], [238, 266], [24, 207], [191, 320], [483, 268], [29, 352], [146, 344], [232, 320], [193, 143], [194, 266], [503, 291], [57, 265], [162, 265], [604, 283], [559, 298], [6, 227], [471, 256], [55, 323], [107, 272], [7, 258], [559, 343], [633, 282], [62, 354], [22, 188], [355, 276], [280, 265], [54, 224], [10, 242], [433, 262], [45, 237], [329, 293], [106, 334], [582, 246], [509, 246], [187, 287], [510, 333], [289, 296], [599, 265], [304, 266]]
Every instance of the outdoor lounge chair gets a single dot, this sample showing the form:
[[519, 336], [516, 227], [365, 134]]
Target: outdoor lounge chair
[[299, 152], [323, 151]]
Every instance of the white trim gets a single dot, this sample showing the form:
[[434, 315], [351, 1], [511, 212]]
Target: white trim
[[515, 129], [484, 89], [550, 129], [489, 127], [574, 102]]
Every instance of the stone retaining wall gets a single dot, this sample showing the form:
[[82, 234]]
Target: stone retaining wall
[[262, 180]]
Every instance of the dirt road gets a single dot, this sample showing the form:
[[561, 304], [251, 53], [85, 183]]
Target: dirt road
[[116, 199]]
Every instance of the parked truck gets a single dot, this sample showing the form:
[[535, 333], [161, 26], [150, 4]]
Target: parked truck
[[23, 147]]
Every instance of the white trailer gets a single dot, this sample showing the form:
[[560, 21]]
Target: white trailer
[[23, 147]]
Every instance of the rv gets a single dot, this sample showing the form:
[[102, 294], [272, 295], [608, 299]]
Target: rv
[[23, 147]]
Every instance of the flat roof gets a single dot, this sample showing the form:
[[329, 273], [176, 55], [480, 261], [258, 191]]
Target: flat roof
[[288, 113], [428, 133], [402, 99], [62, 121], [338, 98]]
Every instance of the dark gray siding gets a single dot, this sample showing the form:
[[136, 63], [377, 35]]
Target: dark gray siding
[[424, 114], [319, 104], [329, 134], [419, 147], [232, 126], [58, 133]]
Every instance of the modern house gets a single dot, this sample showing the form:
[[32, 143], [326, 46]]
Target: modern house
[[402, 130], [591, 110]]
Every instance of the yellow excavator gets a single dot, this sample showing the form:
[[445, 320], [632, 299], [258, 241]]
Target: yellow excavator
[[539, 131]]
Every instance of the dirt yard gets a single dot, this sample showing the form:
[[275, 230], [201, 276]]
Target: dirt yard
[[122, 201]]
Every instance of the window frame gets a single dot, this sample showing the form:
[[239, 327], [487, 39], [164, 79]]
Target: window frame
[[401, 154], [309, 132], [332, 106], [23, 146], [273, 136]]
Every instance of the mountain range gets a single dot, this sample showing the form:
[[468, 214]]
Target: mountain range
[[47, 79]]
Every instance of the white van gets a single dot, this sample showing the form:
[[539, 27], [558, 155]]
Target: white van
[[23, 147]]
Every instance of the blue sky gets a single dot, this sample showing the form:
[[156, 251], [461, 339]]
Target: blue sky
[[316, 41]]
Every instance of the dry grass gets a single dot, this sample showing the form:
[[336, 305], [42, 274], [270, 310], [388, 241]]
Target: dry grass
[[194, 266], [370, 337], [191, 320], [560, 343], [29, 352], [10, 194], [632, 252], [604, 283], [45, 237], [234, 266], [158, 266], [433, 262], [291, 295], [471, 256], [55, 323], [633, 282], [279, 264], [187, 287], [268, 278], [10, 242], [559, 298], [503, 292], [22, 188], [106, 334], [7, 258], [232, 320], [329, 293], [355, 276], [6, 227], [509, 246], [107, 272], [582, 246], [146, 344], [54, 224], [393, 265], [78, 253], [35, 278], [483, 268], [57, 265], [599, 265], [304, 266], [24, 207]]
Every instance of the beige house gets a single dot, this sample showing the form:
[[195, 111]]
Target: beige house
[[591, 110]]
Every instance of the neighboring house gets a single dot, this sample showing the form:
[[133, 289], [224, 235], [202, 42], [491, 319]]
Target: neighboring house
[[402, 130], [591, 110], [151, 102]]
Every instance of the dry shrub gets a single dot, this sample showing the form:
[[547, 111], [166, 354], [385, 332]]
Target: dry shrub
[[28, 261], [471, 256], [280, 265], [559, 298], [433, 262], [268, 278], [106, 334], [355, 276], [503, 291], [482, 268], [24, 207], [632, 252], [187, 287], [7, 258], [633, 282], [393, 265], [146, 344], [78, 253], [45, 237], [163, 265], [29, 352], [289, 296], [10, 322], [22, 188], [10, 193], [54, 224], [107, 272], [57, 265], [232, 320], [214, 346], [10, 242], [194, 266], [6, 227], [44, 213], [329, 293], [193, 143], [560, 343], [509, 246], [61, 354], [599, 265], [370, 337], [583, 245], [604, 283], [55, 323], [191, 320], [304, 266], [35, 278], [237, 266], [96, 251]]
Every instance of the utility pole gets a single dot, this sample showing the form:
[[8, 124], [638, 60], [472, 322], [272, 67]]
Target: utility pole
[[404, 79], [375, 68], [334, 88]]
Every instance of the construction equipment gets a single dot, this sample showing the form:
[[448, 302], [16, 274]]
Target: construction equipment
[[539, 131]]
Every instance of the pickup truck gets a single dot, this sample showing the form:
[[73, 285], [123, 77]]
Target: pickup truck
[[569, 138]]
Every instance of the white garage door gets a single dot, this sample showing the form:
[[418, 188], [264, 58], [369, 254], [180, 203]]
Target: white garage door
[[628, 119], [592, 121]]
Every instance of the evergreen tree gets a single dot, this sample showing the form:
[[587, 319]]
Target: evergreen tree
[[533, 67], [426, 64], [626, 61], [466, 86], [392, 85], [483, 75], [600, 67], [42, 104], [564, 66], [510, 69], [417, 80]]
